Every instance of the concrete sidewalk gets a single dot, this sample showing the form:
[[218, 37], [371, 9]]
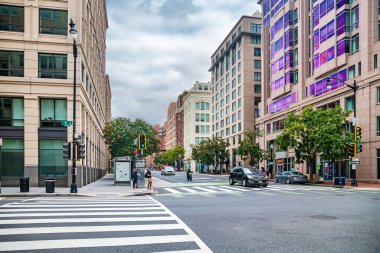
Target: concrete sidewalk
[[102, 187]]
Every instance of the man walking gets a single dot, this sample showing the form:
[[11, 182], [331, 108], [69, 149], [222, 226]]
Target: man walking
[[135, 177], [148, 176]]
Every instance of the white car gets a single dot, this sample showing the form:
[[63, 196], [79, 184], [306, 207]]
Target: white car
[[167, 170]]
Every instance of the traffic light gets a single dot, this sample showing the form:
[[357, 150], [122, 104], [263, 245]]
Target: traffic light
[[67, 151], [141, 141], [352, 150], [359, 148], [358, 133], [81, 151]]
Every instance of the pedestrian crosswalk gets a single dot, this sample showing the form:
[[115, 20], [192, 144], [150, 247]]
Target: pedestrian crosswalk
[[272, 189], [138, 224]]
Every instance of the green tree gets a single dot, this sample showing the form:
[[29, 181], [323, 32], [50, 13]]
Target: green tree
[[250, 150], [313, 132], [211, 152], [120, 134], [170, 156]]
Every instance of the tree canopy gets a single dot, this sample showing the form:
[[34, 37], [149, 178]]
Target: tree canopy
[[211, 152], [170, 156], [315, 132], [250, 150], [121, 133]]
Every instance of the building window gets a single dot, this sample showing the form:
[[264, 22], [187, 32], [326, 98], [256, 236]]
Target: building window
[[178, 117], [51, 161], [257, 88], [355, 44], [278, 125], [52, 112], [378, 125], [378, 94], [351, 72], [257, 51], [255, 39], [239, 78], [11, 18], [257, 76], [268, 128], [11, 111], [378, 154], [256, 28], [12, 158], [257, 100], [197, 129], [359, 68], [378, 28], [375, 61], [349, 104], [257, 64], [52, 66], [11, 63], [53, 21]]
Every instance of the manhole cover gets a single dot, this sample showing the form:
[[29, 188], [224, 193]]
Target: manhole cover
[[324, 217], [376, 198], [340, 195]]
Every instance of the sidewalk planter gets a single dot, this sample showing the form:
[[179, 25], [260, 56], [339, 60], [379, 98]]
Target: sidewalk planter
[[341, 181], [24, 184], [50, 185]]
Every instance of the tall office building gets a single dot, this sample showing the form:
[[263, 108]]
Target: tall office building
[[309, 42], [236, 83], [197, 122], [36, 89]]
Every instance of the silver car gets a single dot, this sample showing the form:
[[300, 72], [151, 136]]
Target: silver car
[[290, 177], [167, 170]]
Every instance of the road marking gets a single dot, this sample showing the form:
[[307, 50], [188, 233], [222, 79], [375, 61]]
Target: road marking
[[172, 190], [190, 232], [79, 209], [84, 205], [188, 189], [221, 189], [96, 242], [83, 220], [77, 214], [235, 188], [86, 229], [204, 189]]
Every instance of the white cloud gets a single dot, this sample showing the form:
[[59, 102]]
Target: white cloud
[[158, 48]]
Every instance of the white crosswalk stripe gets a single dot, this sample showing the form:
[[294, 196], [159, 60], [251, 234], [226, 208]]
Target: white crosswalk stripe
[[47, 223], [272, 189]]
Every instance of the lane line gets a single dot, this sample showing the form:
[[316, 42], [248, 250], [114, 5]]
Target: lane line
[[78, 209], [86, 229], [96, 242], [235, 188], [187, 189], [82, 220], [172, 190], [190, 232], [77, 214], [84, 205]]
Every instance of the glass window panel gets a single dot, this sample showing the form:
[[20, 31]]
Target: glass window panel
[[5, 111], [11, 18], [12, 158], [53, 21], [51, 161], [47, 109], [60, 110]]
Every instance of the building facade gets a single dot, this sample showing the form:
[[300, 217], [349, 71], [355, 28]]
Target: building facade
[[36, 89], [236, 83], [197, 121], [309, 42]]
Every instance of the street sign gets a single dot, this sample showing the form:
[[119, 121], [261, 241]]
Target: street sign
[[355, 161], [66, 123], [140, 163], [355, 121]]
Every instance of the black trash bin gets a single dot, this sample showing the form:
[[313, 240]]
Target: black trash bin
[[24, 184], [50, 185], [336, 180]]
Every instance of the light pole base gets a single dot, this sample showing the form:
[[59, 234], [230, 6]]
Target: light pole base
[[74, 188]]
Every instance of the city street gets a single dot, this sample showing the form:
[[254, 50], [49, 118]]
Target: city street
[[197, 216]]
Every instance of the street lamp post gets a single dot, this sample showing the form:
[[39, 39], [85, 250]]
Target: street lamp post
[[353, 87], [73, 33], [271, 159]]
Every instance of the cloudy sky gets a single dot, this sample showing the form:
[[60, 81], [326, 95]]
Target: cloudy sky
[[158, 48]]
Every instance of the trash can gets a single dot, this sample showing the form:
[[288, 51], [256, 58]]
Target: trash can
[[24, 184], [50, 185]]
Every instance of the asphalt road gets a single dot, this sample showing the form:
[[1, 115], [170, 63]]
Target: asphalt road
[[204, 215], [281, 218]]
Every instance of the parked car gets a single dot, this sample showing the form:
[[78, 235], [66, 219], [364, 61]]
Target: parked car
[[168, 170], [290, 177], [248, 176]]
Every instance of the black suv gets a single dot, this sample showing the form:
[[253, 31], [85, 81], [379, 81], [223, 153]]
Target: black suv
[[248, 176]]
